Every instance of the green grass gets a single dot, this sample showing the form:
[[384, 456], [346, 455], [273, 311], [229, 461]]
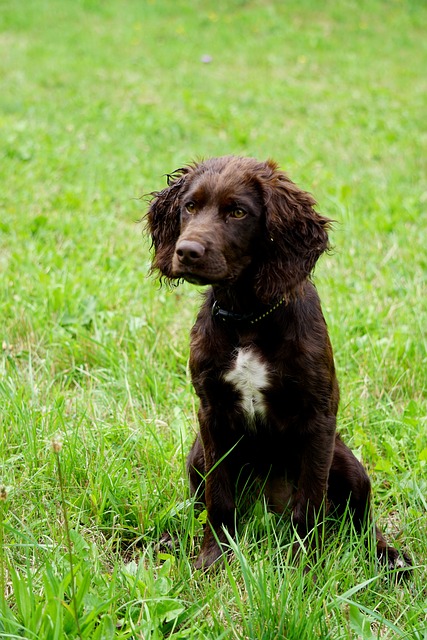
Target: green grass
[[98, 101]]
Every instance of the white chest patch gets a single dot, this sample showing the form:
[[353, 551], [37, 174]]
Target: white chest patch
[[249, 376]]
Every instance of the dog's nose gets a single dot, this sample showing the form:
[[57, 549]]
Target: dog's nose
[[189, 251]]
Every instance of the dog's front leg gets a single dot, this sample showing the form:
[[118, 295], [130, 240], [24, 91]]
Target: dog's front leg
[[220, 506], [317, 446]]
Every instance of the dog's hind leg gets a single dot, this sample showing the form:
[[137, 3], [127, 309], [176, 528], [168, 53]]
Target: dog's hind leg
[[196, 470], [350, 487]]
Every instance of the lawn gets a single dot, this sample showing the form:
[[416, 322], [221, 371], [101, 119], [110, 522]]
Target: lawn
[[98, 101]]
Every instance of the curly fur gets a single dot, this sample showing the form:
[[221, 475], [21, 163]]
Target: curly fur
[[261, 359]]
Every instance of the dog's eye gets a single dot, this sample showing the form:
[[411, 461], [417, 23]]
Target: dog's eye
[[237, 213], [190, 207]]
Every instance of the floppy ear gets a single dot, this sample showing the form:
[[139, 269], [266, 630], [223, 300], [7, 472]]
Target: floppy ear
[[295, 235], [163, 222]]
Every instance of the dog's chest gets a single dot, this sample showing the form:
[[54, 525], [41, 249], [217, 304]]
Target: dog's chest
[[249, 376]]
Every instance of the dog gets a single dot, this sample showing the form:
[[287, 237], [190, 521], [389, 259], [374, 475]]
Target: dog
[[261, 360]]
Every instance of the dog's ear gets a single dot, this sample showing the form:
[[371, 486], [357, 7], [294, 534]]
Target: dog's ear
[[163, 222], [295, 235]]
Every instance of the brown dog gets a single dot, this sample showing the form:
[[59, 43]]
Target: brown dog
[[261, 360]]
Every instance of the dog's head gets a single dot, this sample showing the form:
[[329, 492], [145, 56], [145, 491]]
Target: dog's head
[[225, 217]]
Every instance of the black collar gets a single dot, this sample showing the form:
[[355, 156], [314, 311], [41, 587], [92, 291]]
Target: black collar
[[251, 318]]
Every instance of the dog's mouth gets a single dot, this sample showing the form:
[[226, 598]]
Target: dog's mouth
[[194, 278], [205, 277], [200, 278]]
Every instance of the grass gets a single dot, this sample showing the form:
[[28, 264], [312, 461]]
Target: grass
[[98, 102]]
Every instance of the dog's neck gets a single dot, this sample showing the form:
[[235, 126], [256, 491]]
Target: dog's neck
[[240, 304]]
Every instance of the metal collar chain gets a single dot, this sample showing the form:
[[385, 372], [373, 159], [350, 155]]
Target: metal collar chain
[[251, 318]]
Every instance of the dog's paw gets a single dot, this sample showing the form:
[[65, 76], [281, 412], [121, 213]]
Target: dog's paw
[[208, 557], [167, 543], [395, 561]]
